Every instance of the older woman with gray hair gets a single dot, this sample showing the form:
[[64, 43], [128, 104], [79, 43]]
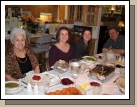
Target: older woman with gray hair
[[20, 60]]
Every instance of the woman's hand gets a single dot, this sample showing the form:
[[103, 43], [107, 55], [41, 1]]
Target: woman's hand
[[10, 78]]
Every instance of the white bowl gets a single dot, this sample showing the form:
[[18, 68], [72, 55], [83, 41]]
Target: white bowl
[[11, 85]]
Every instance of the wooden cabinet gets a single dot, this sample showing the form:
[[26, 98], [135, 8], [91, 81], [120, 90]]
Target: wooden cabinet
[[61, 12], [78, 13], [75, 13], [90, 15], [71, 14]]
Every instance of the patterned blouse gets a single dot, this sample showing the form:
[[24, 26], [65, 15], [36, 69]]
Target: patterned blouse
[[12, 67]]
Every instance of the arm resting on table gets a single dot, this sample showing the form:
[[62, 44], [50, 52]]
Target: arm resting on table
[[37, 69], [10, 78]]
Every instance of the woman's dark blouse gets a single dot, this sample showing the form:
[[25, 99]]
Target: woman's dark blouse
[[55, 54], [79, 49], [25, 67]]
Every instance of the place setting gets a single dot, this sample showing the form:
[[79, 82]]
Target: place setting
[[13, 87]]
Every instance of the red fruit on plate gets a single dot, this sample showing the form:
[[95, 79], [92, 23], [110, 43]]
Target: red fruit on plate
[[36, 77], [100, 57]]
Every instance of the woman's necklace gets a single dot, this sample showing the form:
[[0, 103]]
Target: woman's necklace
[[19, 59]]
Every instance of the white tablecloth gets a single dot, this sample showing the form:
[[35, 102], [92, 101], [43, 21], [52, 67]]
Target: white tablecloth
[[108, 85]]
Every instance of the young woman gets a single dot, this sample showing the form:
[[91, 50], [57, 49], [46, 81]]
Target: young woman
[[61, 50], [83, 45], [20, 61]]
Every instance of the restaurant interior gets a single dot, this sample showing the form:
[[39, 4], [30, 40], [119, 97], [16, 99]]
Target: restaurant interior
[[50, 17]]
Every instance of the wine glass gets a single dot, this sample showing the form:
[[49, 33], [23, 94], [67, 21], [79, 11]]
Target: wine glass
[[74, 67], [46, 82]]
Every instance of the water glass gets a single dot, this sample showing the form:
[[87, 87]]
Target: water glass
[[96, 90], [74, 67], [46, 82]]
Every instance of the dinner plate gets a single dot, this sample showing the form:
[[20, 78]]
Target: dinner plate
[[15, 91], [121, 82], [39, 82]]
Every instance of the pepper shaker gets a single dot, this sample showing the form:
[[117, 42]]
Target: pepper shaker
[[36, 89]]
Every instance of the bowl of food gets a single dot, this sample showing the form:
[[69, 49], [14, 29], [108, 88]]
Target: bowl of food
[[11, 85], [66, 81], [61, 66], [89, 59]]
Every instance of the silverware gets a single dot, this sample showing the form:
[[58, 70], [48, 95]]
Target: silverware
[[24, 82], [55, 84], [115, 80]]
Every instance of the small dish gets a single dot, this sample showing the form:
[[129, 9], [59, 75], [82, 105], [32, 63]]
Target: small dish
[[89, 59], [18, 90], [65, 81], [11, 85], [31, 79]]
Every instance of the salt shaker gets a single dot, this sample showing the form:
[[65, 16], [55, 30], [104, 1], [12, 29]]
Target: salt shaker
[[36, 89], [29, 88]]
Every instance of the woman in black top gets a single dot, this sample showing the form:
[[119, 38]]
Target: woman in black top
[[83, 45]]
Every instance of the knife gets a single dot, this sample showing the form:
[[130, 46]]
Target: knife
[[24, 82]]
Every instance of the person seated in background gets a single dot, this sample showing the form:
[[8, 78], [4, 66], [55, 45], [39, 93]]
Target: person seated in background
[[61, 50], [83, 45], [20, 61], [115, 43]]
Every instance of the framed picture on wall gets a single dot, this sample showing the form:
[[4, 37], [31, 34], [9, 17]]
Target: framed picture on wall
[[16, 12]]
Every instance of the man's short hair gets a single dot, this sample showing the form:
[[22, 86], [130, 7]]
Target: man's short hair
[[113, 28]]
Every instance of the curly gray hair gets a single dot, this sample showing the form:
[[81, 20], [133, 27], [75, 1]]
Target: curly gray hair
[[16, 31]]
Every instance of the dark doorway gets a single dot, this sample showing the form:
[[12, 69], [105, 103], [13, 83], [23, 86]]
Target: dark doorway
[[103, 37]]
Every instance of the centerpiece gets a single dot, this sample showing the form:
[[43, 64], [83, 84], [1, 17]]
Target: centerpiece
[[31, 23]]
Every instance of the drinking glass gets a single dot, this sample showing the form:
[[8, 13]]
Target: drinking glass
[[46, 82], [96, 90], [74, 67]]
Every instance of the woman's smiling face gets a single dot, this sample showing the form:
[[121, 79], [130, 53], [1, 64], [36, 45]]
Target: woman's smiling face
[[63, 36], [19, 41], [87, 35]]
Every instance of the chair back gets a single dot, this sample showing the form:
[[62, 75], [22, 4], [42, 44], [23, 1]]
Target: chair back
[[44, 41]]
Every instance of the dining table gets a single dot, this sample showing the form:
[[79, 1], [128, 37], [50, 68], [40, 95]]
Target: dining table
[[109, 85]]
